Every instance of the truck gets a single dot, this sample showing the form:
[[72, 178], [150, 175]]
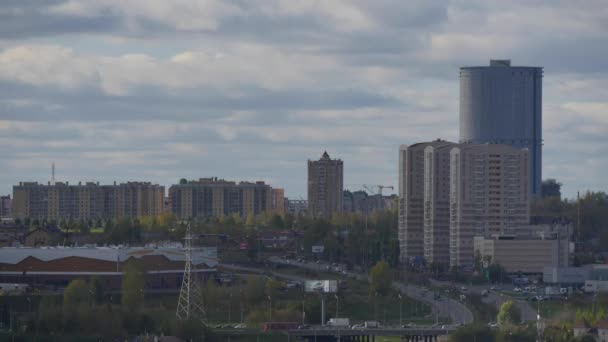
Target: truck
[[371, 325], [339, 322]]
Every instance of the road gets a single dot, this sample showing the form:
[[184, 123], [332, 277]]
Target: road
[[496, 298], [444, 307]]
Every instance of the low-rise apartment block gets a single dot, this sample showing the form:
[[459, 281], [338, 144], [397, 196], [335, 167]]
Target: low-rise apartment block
[[213, 197], [87, 201]]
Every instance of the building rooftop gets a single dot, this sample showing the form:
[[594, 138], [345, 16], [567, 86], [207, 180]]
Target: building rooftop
[[14, 255]]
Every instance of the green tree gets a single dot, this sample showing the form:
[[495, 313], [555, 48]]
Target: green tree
[[75, 294], [183, 181], [190, 330], [558, 333], [513, 334], [471, 333], [273, 287], [133, 287], [496, 273], [276, 222], [255, 291], [381, 279], [96, 289], [508, 314]]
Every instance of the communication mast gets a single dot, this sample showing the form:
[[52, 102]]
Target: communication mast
[[190, 302]]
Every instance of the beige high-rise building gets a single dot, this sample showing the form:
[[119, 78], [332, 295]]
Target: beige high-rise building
[[213, 197], [325, 186], [437, 202], [424, 201], [489, 195], [87, 201], [278, 201]]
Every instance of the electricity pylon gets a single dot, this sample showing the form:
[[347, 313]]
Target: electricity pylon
[[190, 302]]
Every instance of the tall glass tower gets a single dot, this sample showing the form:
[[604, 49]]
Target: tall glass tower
[[502, 104]]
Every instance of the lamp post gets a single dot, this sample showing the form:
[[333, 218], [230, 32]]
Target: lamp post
[[376, 306], [400, 309], [269, 309], [337, 304]]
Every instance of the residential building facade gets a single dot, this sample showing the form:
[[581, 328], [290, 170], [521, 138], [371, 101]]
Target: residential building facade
[[424, 201], [325, 186], [489, 195], [5, 206], [436, 226], [502, 104], [213, 197], [278, 201], [87, 201], [525, 255]]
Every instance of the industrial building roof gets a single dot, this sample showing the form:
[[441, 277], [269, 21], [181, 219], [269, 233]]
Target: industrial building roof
[[14, 255]]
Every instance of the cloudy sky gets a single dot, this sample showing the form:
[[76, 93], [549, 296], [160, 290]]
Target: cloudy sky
[[158, 90]]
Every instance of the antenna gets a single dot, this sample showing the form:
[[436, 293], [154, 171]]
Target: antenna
[[53, 173], [190, 301], [578, 215]]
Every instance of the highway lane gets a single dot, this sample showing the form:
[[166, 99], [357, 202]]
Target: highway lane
[[528, 313], [444, 307]]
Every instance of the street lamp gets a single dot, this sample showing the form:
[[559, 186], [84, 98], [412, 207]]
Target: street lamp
[[270, 309], [337, 304], [400, 309]]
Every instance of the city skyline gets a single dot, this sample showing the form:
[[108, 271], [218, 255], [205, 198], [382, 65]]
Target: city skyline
[[116, 92]]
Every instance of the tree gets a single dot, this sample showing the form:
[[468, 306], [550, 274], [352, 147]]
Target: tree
[[183, 181], [75, 294], [381, 279], [513, 334], [473, 333], [509, 313], [496, 273], [558, 333], [551, 188], [250, 220], [255, 291], [133, 286], [96, 289], [276, 222]]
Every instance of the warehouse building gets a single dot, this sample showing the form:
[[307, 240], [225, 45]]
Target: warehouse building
[[57, 266]]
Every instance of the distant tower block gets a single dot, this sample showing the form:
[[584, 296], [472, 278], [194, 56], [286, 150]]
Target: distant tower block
[[502, 104], [53, 173], [190, 302]]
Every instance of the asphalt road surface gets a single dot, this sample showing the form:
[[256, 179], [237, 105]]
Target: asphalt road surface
[[444, 307], [528, 313]]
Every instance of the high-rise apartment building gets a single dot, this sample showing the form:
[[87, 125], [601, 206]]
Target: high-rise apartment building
[[87, 201], [437, 202], [502, 104], [213, 197], [5, 206], [325, 186], [424, 201], [489, 195], [278, 201]]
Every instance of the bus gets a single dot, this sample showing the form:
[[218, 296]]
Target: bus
[[268, 326]]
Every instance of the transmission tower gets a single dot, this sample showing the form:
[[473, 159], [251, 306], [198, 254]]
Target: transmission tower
[[190, 302]]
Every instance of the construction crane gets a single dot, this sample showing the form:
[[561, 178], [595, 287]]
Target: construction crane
[[371, 188]]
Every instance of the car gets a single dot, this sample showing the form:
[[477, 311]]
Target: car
[[463, 289], [495, 288], [517, 289], [303, 326], [357, 326], [494, 324], [240, 326]]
